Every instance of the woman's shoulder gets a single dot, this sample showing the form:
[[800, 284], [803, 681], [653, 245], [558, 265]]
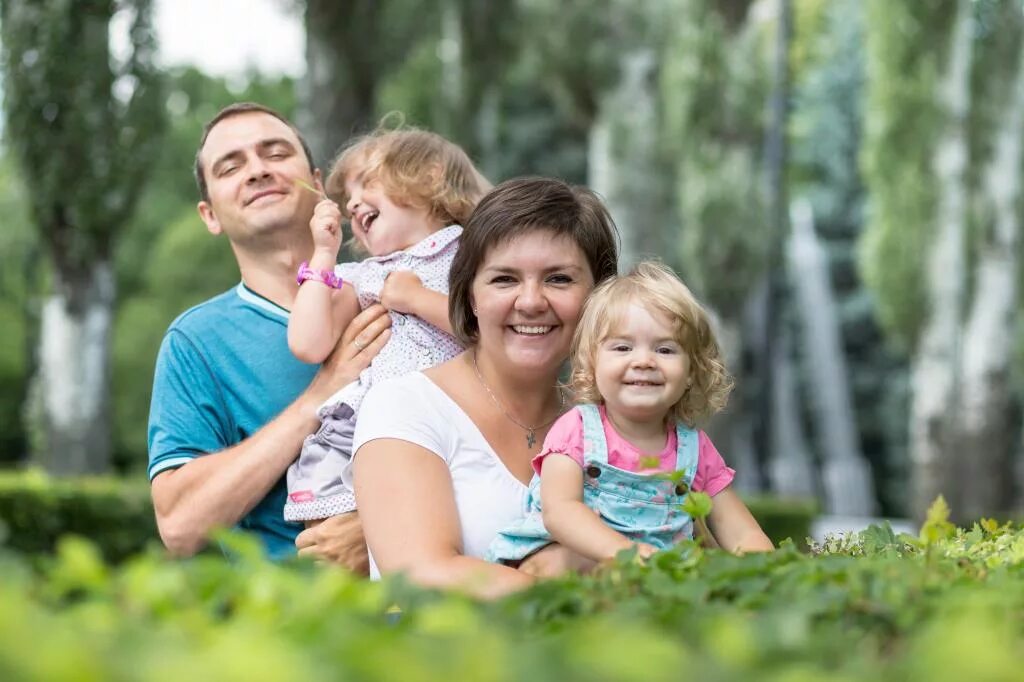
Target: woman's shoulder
[[408, 390]]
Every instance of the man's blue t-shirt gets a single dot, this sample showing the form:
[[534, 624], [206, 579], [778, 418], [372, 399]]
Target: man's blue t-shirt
[[224, 371]]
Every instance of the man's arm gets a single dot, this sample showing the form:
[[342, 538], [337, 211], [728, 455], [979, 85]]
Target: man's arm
[[217, 490]]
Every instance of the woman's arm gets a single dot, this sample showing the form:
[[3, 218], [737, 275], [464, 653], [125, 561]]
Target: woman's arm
[[734, 526], [571, 522], [411, 523]]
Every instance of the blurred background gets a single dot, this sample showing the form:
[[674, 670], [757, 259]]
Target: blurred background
[[839, 180]]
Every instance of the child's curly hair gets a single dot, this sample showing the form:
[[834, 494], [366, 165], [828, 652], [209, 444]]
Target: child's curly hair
[[655, 287], [415, 168]]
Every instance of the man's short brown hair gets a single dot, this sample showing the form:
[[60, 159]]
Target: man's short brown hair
[[517, 207], [237, 109]]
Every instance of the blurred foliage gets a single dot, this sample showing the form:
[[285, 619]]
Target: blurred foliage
[[715, 81], [906, 49], [103, 113], [117, 513], [20, 271], [826, 131], [36, 510], [875, 606]]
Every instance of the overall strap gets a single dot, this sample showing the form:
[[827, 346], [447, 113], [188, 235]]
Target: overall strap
[[595, 446], [687, 451]]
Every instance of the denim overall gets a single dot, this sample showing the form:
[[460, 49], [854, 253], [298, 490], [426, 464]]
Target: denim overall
[[643, 507]]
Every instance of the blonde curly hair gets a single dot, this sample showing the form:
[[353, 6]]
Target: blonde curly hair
[[657, 288], [415, 168]]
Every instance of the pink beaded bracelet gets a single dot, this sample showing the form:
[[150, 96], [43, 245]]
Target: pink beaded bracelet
[[326, 276]]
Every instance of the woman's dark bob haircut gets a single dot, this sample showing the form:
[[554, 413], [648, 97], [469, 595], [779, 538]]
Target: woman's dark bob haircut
[[517, 207]]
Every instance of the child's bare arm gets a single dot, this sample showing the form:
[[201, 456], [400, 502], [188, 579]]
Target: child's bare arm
[[735, 527], [568, 519], [320, 314], [404, 292], [318, 318]]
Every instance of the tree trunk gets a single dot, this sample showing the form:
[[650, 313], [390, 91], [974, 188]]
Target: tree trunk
[[848, 486], [936, 365], [984, 465], [338, 93], [623, 163], [73, 382]]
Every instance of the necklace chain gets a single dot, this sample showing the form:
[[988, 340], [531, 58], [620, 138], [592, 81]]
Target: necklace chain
[[531, 431]]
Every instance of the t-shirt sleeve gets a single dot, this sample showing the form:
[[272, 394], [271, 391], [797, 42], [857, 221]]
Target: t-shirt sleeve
[[349, 272], [565, 437], [187, 417], [713, 475], [401, 409]]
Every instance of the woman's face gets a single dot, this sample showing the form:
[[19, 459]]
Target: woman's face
[[528, 294]]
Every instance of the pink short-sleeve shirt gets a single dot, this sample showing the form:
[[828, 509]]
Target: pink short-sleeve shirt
[[566, 437]]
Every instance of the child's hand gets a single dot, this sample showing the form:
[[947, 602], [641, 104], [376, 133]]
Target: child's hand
[[326, 227], [400, 291]]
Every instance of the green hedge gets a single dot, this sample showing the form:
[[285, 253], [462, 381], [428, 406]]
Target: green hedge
[[36, 510], [117, 514], [875, 607]]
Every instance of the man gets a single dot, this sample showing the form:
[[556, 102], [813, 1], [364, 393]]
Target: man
[[231, 405]]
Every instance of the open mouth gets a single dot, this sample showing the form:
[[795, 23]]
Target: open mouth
[[642, 384], [531, 330], [367, 219]]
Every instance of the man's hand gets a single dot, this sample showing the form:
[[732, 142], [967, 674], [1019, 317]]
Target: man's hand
[[365, 335], [400, 291], [338, 540]]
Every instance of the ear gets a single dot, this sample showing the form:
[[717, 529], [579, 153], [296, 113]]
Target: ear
[[208, 217], [318, 181]]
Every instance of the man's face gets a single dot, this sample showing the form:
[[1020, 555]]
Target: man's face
[[251, 162]]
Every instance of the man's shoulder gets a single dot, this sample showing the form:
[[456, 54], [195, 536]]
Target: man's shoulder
[[208, 312]]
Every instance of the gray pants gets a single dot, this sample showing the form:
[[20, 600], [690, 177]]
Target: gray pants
[[315, 486]]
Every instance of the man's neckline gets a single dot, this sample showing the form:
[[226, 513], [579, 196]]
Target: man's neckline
[[260, 301]]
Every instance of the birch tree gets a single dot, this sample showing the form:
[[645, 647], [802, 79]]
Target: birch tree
[[84, 126], [942, 163]]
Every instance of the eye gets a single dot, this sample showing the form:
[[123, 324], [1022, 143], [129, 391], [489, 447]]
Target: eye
[[666, 350], [502, 279], [227, 170], [560, 279], [619, 348]]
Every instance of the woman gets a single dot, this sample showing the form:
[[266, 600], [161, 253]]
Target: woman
[[443, 456]]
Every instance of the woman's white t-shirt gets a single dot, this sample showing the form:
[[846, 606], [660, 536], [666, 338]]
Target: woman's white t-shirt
[[414, 409]]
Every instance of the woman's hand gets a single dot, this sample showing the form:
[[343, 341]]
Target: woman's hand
[[555, 560]]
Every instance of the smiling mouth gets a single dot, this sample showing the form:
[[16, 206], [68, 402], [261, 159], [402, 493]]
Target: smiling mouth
[[642, 384], [531, 330], [367, 219], [259, 195]]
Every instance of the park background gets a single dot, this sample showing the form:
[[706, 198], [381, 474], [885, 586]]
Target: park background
[[838, 179]]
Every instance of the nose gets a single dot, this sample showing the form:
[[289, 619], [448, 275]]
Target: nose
[[641, 357], [531, 299], [257, 169], [353, 203]]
